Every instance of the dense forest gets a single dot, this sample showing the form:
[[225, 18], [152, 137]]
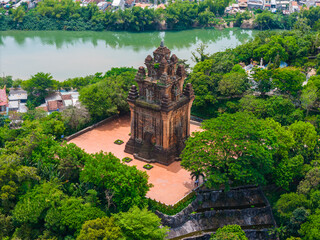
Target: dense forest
[[70, 16], [262, 128]]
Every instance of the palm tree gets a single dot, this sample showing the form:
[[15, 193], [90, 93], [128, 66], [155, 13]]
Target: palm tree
[[196, 175]]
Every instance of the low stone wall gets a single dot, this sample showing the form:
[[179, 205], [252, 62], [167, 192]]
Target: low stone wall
[[217, 200], [196, 119], [87, 129], [212, 220], [232, 199], [261, 234], [246, 207]]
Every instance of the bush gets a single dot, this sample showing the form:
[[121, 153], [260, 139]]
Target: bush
[[148, 166], [118, 141], [126, 159]]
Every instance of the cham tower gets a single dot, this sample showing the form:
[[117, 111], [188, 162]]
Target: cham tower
[[160, 110]]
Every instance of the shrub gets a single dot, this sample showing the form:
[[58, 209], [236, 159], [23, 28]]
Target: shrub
[[126, 159], [118, 141], [148, 166]]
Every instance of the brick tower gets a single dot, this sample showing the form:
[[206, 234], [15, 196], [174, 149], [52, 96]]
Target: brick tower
[[160, 111]]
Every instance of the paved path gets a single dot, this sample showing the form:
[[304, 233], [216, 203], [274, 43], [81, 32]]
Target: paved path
[[171, 183]]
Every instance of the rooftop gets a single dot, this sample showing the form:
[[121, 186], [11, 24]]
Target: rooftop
[[55, 105], [171, 183], [3, 97]]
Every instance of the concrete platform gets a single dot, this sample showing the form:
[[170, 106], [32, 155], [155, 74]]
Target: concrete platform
[[171, 183]]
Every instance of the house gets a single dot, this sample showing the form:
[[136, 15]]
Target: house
[[4, 104], [161, 6], [282, 4], [102, 5], [255, 4], [143, 5], [118, 4], [55, 106], [58, 101], [270, 5], [293, 7], [70, 98], [17, 100], [243, 4], [129, 3]]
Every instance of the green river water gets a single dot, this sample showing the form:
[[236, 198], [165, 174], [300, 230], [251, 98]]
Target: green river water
[[75, 54]]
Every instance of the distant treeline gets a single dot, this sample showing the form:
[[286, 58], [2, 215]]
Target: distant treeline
[[68, 15]]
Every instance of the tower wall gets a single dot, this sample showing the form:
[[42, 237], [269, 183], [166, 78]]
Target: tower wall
[[160, 110]]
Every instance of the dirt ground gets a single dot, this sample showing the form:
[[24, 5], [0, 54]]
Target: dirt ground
[[171, 183]]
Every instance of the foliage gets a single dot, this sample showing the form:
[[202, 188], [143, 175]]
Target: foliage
[[118, 142], [38, 87], [68, 217], [126, 159], [127, 184], [68, 15], [75, 117], [148, 166], [234, 148], [230, 232], [13, 179], [233, 84], [288, 80], [172, 209], [108, 96], [140, 224], [280, 108], [100, 228]]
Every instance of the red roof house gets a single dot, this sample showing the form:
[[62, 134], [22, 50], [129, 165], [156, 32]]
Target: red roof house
[[3, 100]]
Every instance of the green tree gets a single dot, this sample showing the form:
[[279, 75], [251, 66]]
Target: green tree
[[39, 86], [311, 229], [288, 80], [127, 184], [289, 202], [100, 228], [302, 25], [234, 148], [141, 224], [68, 217], [75, 117], [310, 182], [108, 97], [33, 206], [14, 180], [263, 79], [233, 84], [202, 55], [308, 97], [229, 232], [305, 136]]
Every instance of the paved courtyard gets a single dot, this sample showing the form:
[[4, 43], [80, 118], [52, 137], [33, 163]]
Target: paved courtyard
[[171, 183]]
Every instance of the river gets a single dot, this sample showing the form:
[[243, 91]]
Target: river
[[76, 54]]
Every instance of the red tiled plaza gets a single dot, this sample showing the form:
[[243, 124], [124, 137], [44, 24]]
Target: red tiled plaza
[[171, 183]]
